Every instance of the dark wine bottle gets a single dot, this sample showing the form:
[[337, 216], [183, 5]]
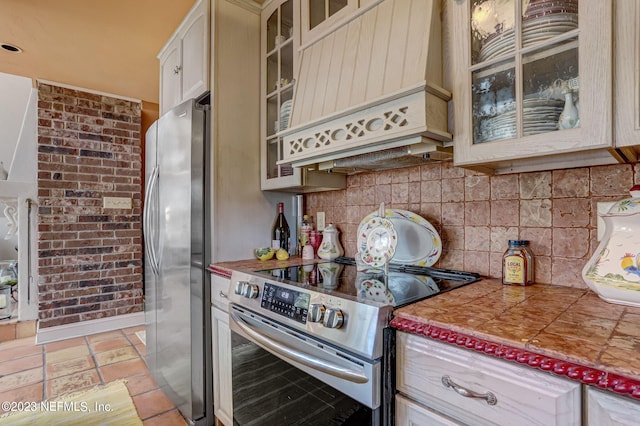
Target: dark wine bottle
[[280, 232]]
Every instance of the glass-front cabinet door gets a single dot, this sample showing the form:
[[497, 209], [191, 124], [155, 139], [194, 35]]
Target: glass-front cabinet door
[[627, 80], [278, 48], [531, 78], [317, 16], [279, 52]]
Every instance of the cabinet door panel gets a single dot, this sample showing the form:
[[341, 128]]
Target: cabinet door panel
[[222, 381], [607, 409], [194, 58], [627, 68], [548, 54], [170, 77]]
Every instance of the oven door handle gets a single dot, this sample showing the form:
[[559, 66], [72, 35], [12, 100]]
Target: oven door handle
[[301, 357]]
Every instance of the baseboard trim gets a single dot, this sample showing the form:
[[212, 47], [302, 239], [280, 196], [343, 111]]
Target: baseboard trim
[[85, 328]]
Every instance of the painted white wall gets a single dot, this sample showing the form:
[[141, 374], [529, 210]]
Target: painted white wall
[[18, 124], [24, 166], [18, 152]]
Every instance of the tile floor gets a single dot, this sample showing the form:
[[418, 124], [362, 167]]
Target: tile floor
[[30, 372]]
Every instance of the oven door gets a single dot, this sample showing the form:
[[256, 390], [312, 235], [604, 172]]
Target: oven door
[[281, 376]]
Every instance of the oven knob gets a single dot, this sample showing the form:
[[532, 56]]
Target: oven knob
[[333, 318], [240, 287], [250, 291], [316, 312]]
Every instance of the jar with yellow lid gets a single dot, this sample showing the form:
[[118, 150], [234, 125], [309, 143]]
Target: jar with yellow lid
[[517, 264]]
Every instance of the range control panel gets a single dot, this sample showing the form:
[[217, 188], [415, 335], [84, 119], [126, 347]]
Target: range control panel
[[288, 303]]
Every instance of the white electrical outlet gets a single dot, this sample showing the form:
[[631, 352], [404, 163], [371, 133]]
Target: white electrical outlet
[[320, 221], [116, 203], [603, 208]]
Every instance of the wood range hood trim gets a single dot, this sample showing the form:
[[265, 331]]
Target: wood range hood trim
[[373, 84]]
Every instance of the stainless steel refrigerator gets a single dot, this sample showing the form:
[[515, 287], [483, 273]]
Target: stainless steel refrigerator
[[177, 289]]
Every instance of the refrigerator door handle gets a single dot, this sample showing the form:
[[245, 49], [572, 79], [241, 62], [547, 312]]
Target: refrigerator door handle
[[148, 241]]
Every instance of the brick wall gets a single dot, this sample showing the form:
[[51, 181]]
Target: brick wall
[[477, 214], [89, 257]]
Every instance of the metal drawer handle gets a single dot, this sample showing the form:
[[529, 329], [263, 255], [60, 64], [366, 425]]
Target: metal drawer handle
[[223, 295], [489, 397]]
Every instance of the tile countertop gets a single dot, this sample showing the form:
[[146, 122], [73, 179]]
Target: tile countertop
[[568, 331]]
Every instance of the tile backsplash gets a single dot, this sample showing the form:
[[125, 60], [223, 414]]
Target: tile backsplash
[[476, 214]]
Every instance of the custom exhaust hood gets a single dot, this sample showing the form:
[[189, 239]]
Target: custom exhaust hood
[[368, 95]]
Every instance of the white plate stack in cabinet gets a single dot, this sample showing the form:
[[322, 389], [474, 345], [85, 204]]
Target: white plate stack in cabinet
[[558, 59]]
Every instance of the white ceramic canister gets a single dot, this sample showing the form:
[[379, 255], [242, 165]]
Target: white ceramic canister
[[330, 247], [613, 272], [330, 274]]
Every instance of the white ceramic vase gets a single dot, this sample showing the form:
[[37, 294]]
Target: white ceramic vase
[[569, 115], [613, 272]]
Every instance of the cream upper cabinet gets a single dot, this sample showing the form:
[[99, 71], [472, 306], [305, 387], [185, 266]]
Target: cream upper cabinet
[[627, 77], [532, 83], [280, 41], [184, 60], [318, 16], [449, 384], [279, 51], [170, 75]]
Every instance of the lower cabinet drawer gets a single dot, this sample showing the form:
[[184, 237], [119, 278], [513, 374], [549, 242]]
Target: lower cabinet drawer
[[478, 389], [219, 290], [408, 413]]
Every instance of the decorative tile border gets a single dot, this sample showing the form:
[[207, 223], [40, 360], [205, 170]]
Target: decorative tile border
[[587, 375]]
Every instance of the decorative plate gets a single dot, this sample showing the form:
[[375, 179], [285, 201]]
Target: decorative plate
[[418, 241], [401, 287], [377, 240]]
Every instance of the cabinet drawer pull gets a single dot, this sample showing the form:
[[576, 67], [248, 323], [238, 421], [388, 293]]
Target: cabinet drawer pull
[[224, 296], [489, 397]]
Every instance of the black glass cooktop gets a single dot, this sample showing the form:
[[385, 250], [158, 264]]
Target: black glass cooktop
[[402, 285]]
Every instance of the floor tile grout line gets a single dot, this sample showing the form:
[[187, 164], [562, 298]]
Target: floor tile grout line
[[135, 347], [95, 360], [44, 372], [161, 413]]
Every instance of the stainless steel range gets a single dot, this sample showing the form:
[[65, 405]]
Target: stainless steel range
[[311, 343]]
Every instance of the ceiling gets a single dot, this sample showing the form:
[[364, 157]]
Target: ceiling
[[104, 45]]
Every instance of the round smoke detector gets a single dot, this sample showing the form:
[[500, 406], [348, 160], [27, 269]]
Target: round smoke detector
[[10, 48]]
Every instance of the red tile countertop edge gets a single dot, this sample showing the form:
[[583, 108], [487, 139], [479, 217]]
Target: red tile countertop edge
[[586, 375], [225, 273]]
